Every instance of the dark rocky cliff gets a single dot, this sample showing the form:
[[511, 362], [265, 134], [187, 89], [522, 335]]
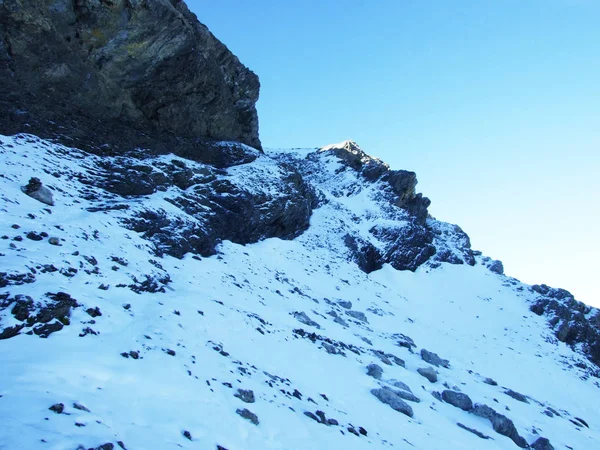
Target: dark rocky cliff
[[117, 74]]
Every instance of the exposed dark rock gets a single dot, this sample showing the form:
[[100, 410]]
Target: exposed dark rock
[[390, 398], [542, 444], [434, 359], [80, 407], [583, 422], [345, 304], [32, 235], [221, 210], [364, 254], [358, 315], [94, 312], [474, 431], [35, 188], [573, 322], [47, 329], [516, 395], [407, 247], [302, 317], [429, 373], [319, 416], [501, 424], [496, 267], [400, 385], [249, 415], [452, 244], [145, 71], [107, 446], [187, 435], [58, 408], [405, 341], [457, 399], [245, 395], [490, 381], [405, 395], [375, 371]]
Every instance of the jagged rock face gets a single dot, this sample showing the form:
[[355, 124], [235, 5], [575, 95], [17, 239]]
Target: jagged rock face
[[573, 322], [402, 182], [147, 67]]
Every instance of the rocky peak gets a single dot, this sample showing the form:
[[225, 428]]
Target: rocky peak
[[402, 182], [122, 74]]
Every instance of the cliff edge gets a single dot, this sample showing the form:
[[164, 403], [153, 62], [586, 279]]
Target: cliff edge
[[121, 74]]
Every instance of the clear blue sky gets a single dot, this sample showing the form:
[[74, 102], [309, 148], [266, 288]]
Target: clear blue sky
[[494, 103]]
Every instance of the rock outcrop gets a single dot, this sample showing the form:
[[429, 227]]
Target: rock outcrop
[[114, 75], [573, 322]]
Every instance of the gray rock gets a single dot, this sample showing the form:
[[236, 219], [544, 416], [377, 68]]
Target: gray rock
[[341, 321], [473, 430], [500, 423], [54, 241], [375, 371], [58, 408], [496, 267], [80, 407], [542, 444], [516, 395], [405, 395], [394, 401], [429, 373], [345, 304], [457, 399], [331, 349], [245, 395], [490, 381], [400, 385], [302, 317], [434, 359], [357, 315], [249, 415], [35, 189]]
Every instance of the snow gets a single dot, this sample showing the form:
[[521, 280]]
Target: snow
[[477, 320]]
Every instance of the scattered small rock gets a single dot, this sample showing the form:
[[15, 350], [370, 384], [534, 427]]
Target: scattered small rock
[[516, 396], [245, 395], [58, 408], [34, 236], [474, 431], [249, 415], [80, 407], [375, 371], [542, 444], [302, 317], [434, 359], [94, 312], [358, 315], [490, 381]]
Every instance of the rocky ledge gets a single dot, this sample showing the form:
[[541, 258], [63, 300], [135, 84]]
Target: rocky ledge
[[109, 76]]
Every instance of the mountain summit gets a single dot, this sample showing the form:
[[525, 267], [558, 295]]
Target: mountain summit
[[161, 290]]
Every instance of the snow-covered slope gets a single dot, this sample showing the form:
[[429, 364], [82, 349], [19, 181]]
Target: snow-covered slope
[[148, 351]]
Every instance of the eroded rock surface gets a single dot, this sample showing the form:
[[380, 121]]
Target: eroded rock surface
[[150, 70]]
